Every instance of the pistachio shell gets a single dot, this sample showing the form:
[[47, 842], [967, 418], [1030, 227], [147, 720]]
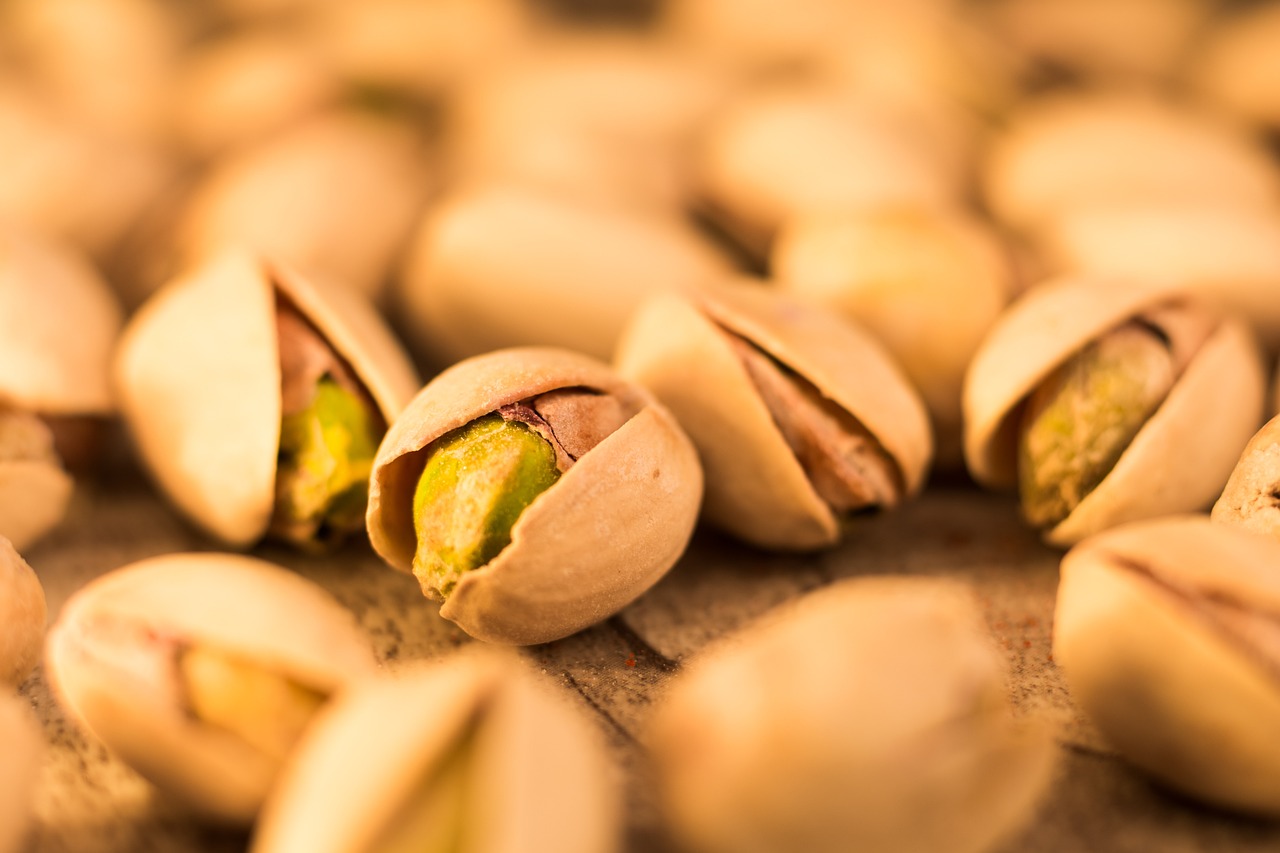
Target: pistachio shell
[[1249, 500], [198, 374], [869, 716], [34, 488], [501, 268], [1147, 648], [1208, 415], [605, 532], [677, 347], [22, 615], [1237, 64], [536, 776], [23, 746], [111, 662]]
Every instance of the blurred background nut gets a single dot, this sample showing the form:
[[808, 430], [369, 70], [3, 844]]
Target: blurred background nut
[[800, 417], [22, 615], [534, 493], [1104, 403], [1165, 631], [1237, 65], [467, 755], [1251, 498], [257, 399], [928, 284], [869, 716], [23, 747], [500, 268], [205, 706]]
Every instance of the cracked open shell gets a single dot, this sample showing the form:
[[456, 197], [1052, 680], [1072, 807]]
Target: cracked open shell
[[199, 378], [22, 616], [23, 746], [1165, 631], [604, 532], [200, 670], [690, 350], [469, 755], [868, 716], [1182, 453]]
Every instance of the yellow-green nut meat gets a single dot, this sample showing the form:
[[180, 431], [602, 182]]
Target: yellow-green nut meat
[[534, 493], [1165, 631], [800, 418], [201, 671], [23, 746], [1104, 403], [257, 399], [469, 755]]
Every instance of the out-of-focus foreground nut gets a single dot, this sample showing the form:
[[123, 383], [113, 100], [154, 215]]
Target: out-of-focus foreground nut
[[23, 746], [928, 284], [511, 268], [534, 492], [799, 416], [22, 615], [201, 671], [1086, 394], [1237, 67], [471, 755], [1166, 633], [870, 716]]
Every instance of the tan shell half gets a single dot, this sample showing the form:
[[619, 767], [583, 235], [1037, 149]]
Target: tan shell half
[[1192, 704], [198, 376], [676, 347], [23, 746], [58, 326], [110, 662], [1181, 457], [1250, 498], [35, 489], [869, 716], [538, 779], [22, 617], [610, 527]]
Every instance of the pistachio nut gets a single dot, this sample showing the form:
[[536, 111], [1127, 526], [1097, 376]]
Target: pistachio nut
[[23, 745], [34, 488], [869, 716], [534, 492], [1236, 64], [499, 268], [1165, 631], [1084, 390], [203, 705], [1251, 498], [928, 284], [1066, 151], [799, 416], [22, 616], [496, 763], [257, 399]]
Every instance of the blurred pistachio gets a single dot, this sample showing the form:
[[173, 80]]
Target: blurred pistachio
[[1251, 498], [1236, 67], [22, 616], [23, 747]]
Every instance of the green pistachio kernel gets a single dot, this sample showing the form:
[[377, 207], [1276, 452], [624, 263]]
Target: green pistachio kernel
[[434, 818], [476, 482]]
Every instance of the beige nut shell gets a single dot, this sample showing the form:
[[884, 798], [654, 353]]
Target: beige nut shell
[[1208, 415], [106, 661], [34, 495], [756, 489], [1249, 498], [23, 747], [538, 778], [1181, 700], [198, 376], [22, 616], [608, 529]]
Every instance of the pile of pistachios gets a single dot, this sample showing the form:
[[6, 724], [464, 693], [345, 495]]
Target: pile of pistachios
[[524, 292]]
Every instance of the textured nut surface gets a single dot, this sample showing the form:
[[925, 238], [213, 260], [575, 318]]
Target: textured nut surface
[[533, 775], [831, 723], [608, 529], [1251, 498], [113, 661], [23, 746], [22, 616], [1165, 631], [681, 348], [198, 375]]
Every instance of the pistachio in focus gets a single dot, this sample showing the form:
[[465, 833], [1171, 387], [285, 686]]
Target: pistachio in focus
[[499, 763], [534, 492], [831, 723], [23, 746], [1084, 392], [205, 707], [1166, 632], [22, 616], [800, 418]]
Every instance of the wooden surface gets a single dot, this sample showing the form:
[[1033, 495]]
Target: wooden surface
[[87, 801]]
